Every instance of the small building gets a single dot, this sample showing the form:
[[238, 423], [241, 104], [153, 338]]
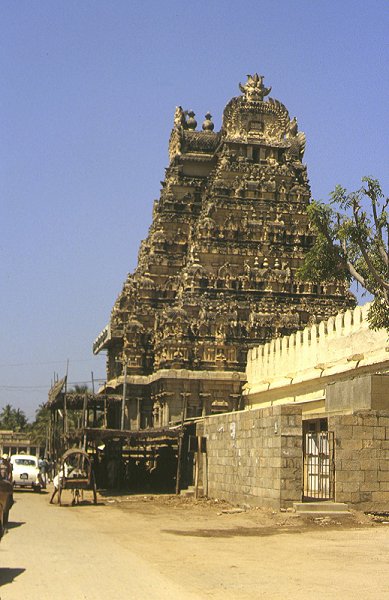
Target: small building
[[316, 424], [12, 442]]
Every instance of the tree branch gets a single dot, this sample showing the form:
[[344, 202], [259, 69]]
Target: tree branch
[[378, 226], [351, 269], [374, 273]]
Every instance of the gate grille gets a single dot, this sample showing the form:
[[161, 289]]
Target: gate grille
[[319, 466]]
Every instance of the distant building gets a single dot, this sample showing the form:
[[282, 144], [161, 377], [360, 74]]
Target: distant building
[[217, 274], [17, 443]]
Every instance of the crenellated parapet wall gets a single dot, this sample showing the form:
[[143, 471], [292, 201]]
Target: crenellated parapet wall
[[326, 351]]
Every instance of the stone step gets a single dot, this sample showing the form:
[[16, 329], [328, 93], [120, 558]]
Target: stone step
[[190, 492], [321, 508], [187, 493]]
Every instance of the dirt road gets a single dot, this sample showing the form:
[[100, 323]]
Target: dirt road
[[147, 549]]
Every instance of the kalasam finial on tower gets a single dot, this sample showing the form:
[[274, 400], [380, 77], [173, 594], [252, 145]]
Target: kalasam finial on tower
[[254, 89], [208, 125], [191, 121]]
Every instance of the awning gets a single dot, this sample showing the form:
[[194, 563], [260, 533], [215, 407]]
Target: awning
[[144, 435], [56, 390]]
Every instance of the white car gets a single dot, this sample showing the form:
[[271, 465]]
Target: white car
[[26, 471]]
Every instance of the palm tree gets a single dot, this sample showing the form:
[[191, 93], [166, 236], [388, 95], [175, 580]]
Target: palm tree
[[78, 389], [12, 418], [40, 426]]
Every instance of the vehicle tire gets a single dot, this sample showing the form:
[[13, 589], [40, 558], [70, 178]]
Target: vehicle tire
[[37, 488]]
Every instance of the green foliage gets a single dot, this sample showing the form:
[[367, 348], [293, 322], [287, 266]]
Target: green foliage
[[379, 314], [78, 389], [13, 419], [352, 237], [74, 416], [323, 262], [39, 428]]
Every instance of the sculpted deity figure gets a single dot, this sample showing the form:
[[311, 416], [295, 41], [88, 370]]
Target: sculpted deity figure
[[293, 127], [225, 160], [271, 184], [179, 118], [282, 190]]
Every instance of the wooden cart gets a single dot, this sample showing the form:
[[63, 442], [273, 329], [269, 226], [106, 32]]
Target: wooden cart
[[77, 475]]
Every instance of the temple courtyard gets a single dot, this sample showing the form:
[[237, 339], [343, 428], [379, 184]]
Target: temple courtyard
[[160, 547]]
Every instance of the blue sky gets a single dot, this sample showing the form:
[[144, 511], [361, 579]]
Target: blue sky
[[88, 91]]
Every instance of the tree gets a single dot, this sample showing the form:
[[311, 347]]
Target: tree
[[39, 428], [75, 415], [13, 419], [352, 241]]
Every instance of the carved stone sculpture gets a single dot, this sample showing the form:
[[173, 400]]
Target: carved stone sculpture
[[217, 273]]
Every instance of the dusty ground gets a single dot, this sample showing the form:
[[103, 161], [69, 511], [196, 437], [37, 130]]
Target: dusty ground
[[146, 548]]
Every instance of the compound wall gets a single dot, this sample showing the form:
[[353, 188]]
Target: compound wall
[[362, 459], [254, 457]]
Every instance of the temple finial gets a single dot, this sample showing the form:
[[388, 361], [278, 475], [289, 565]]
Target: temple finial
[[191, 122], [254, 89], [208, 125]]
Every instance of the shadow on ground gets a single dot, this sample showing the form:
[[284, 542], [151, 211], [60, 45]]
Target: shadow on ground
[[14, 524], [114, 493], [18, 491], [233, 532], [106, 493], [8, 575], [82, 503]]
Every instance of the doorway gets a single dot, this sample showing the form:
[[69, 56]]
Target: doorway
[[318, 461]]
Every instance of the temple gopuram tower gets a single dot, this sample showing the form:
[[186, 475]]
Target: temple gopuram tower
[[217, 273]]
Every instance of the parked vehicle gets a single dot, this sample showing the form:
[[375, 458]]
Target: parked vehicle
[[26, 472]]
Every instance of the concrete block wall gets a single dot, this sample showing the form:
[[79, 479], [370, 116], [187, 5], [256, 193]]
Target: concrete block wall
[[362, 459], [254, 457], [367, 392]]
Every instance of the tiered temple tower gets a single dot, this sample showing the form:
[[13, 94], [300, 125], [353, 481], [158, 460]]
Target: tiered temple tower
[[217, 273]]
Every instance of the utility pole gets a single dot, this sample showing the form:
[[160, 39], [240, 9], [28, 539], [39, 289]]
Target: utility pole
[[94, 401], [124, 397], [181, 440], [85, 418], [65, 406]]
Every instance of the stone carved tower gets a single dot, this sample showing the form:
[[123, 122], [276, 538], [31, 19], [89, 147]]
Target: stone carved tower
[[217, 273]]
